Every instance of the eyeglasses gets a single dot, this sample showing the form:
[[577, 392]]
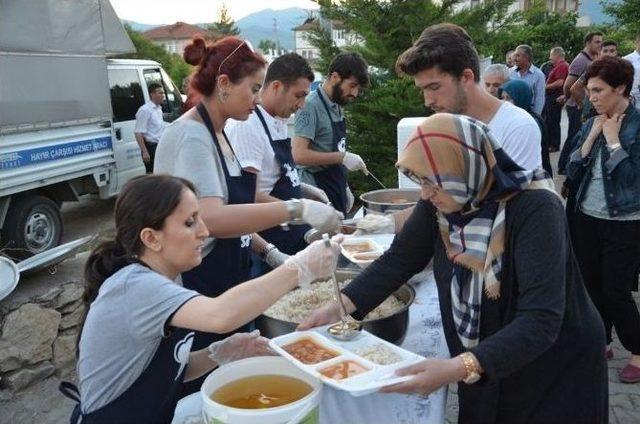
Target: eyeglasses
[[418, 179], [244, 43]]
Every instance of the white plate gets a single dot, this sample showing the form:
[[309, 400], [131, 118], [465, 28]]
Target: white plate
[[361, 384]]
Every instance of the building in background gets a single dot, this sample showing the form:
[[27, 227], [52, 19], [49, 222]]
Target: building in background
[[174, 38], [340, 35], [589, 11]]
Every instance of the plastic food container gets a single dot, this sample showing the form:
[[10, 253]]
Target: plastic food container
[[348, 370], [361, 251]]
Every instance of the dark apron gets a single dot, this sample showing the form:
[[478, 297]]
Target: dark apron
[[152, 398], [333, 179], [229, 263], [287, 187]]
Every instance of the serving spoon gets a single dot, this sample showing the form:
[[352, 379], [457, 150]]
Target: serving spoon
[[343, 330]]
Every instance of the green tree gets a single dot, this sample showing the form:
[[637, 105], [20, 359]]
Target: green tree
[[536, 27], [175, 66], [626, 23], [225, 24], [267, 45]]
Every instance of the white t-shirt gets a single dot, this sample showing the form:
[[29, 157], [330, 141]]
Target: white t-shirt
[[518, 134], [149, 122], [634, 58], [251, 144]]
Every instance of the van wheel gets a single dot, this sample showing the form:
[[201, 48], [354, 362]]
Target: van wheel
[[33, 225]]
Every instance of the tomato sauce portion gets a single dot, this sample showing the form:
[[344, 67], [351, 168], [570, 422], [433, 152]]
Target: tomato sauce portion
[[309, 352], [344, 369]]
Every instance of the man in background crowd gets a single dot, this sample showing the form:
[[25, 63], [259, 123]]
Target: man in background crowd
[[552, 108], [634, 58], [150, 125], [494, 76], [529, 73]]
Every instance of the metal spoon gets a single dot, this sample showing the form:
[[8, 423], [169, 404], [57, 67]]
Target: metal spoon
[[343, 330], [376, 179]]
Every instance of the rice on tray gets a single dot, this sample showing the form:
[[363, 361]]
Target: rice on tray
[[298, 304]]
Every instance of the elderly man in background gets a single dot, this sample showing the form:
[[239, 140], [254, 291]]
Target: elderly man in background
[[494, 76], [529, 73], [553, 89]]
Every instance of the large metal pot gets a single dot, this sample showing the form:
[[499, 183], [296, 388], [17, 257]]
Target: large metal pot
[[389, 200], [392, 329]]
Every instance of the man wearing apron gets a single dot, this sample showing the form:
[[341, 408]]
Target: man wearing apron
[[263, 147], [320, 143]]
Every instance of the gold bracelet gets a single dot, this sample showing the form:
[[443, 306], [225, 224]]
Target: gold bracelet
[[471, 368]]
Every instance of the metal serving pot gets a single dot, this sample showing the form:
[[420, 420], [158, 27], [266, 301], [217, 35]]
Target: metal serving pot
[[392, 328], [389, 200]]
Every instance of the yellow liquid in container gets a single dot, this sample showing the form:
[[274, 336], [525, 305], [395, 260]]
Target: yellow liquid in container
[[261, 392]]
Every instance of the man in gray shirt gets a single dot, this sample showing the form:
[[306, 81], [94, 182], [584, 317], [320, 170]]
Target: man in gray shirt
[[320, 146]]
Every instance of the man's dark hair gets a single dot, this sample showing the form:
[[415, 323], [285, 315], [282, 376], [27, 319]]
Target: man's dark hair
[[287, 69], [154, 86], [349, 65], [609, 43], [590, 35], [445, 46]]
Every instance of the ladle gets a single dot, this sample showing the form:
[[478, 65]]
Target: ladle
[[343, 330]]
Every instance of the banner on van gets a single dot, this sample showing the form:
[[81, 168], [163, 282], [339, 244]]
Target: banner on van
[[50, 153]]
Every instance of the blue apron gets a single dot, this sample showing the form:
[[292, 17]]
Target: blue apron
[[229, 263], [287, 187], [152, 398], [333, 179]]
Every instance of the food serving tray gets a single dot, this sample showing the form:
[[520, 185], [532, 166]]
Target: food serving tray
[[361, 250], [369, 381]]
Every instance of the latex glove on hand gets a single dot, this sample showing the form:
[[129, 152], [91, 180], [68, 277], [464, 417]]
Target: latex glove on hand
[[239, 346], [274, 257], [350, 199], [376, 224], [354, 162], [316, 261], [314, 193], [323, 218]]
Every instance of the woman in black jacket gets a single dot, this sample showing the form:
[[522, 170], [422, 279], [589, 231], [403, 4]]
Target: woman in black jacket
[[523, 335]]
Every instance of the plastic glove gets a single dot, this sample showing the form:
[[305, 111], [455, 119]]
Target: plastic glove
[[314, 193], [354, 162], [350, 199], [320, 216], [239, 346], [274, 258], [376, 224], [316, 261]]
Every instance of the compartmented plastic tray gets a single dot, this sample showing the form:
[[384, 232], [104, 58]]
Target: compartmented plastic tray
[[368, 381], [358, 249]]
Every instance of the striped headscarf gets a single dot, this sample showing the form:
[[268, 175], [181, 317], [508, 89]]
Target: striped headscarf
[[458, 154]]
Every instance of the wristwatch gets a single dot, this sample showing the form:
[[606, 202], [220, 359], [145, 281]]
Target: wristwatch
[[294, 208], [471, 366]]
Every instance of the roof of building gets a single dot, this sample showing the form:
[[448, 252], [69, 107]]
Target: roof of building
[[179, 30], [308, 24]]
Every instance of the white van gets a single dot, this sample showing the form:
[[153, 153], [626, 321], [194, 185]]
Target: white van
[[67, 115]]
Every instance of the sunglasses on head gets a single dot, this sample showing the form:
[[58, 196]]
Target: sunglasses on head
[[244, 43]]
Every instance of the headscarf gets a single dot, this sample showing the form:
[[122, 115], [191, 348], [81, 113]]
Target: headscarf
[[458, 154], [520, 92]]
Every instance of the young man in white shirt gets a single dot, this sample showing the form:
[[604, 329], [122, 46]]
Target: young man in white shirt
[[263, 146], [445, 66], [634, 58], [150, 125]]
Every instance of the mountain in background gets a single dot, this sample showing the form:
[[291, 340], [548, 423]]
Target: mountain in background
[[258, 26]]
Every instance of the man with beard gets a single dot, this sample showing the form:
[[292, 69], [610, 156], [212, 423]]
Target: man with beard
[[320, 143]]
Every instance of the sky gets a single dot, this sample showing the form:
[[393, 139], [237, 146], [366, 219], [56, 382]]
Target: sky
[[196, 11]]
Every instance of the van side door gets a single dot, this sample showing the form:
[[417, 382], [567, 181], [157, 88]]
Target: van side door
[[126, 98]]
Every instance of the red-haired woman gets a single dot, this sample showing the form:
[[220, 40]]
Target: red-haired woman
[[228, 76]]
